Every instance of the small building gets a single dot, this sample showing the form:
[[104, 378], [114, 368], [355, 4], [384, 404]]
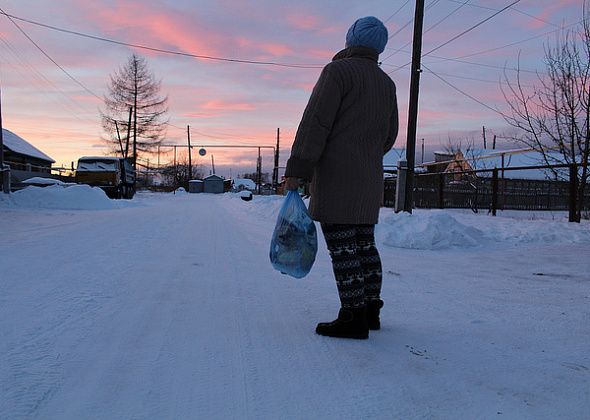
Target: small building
[[213, 184], [485, 159], [241, 184], [24, 159], [195, 186]]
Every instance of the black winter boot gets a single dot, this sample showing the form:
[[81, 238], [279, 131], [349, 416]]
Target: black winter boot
[[351, 323], [373, 308]]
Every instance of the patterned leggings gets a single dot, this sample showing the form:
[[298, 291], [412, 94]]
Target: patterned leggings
[[356, 262]]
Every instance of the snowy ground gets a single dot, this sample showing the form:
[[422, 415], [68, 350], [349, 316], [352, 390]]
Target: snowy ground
[[167, 307]]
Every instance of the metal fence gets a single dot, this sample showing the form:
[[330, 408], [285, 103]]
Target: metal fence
[[491, 190]]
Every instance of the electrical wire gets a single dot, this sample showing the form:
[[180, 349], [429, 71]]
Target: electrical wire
[[48, 56], [396, 12], [514, 9], [429, 29], [466, 31], [430, 6], [161, 50], [463, 92], [459, 35], [520, 42]]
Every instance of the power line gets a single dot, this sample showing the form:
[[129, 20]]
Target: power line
[[396, 12], [37, 78], [463, 92], [471, 63], [161, 50], [471, 28], [430, 6], [458, 36], [430, 28], [479, 6], [48, 56], [520, 42]]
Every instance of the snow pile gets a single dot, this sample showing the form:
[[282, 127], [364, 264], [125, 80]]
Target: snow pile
[[37, 180], [443, 229], [75, 197], [433, 230]]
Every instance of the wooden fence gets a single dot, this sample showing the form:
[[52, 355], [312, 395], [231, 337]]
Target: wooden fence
[[486, 190]]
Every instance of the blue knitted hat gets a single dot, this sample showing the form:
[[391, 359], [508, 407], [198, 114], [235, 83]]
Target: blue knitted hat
[[367, 32]]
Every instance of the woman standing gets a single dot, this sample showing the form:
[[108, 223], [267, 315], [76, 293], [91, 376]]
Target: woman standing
[[350, 122]]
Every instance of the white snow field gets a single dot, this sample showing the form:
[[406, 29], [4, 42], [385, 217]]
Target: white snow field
[[167, 307]]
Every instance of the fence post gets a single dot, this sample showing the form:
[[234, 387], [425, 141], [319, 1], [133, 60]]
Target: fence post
[[573, 216], [494, 191], [441, 186], [400, 194]]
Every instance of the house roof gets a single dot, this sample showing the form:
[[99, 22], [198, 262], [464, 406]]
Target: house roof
[[390, 158], [17, 144], [213, 177], [245, 182], [483, 159]]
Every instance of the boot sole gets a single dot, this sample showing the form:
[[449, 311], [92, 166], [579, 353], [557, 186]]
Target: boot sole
[[359, 336]]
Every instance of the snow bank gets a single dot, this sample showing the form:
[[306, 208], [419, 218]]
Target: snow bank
[[440, 229], [43, 181], [437, 230], [75, 197]]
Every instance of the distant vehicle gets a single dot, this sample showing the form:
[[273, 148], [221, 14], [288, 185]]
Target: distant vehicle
[[114, 175]]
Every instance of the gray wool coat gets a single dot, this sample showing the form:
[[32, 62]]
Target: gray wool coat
[[350, 122]]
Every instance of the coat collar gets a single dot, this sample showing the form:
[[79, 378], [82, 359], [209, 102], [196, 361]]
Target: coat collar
[[359, 52]]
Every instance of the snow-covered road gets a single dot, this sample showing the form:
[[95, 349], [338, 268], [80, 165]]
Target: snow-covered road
[[169, 308]]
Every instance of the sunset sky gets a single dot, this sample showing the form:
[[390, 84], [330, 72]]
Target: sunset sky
[[236, 103]]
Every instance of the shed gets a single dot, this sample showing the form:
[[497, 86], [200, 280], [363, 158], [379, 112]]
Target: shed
[[195, 186], [24, 159], [213, 184]]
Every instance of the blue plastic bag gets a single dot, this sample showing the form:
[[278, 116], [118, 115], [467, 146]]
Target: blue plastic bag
[[294, 242]]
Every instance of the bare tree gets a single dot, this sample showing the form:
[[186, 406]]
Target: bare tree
[[553, 116], [178, 175], [134, 87]]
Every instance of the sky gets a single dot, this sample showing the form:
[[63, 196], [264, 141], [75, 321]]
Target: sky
[[244, 104]]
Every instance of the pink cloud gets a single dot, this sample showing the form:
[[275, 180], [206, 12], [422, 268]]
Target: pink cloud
[[308, 22], [303, 22], [228, 106], [154, 26], [217, 107], [553, 9]]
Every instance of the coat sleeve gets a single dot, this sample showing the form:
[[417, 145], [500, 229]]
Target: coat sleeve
[[394, 126], [316, 125]]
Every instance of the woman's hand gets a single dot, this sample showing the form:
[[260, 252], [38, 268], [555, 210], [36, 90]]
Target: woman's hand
[[291, 183]]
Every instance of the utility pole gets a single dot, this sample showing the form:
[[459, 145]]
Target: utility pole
[[5, 180], [190, 161], [485, 145], [275, 175], [175, 170], [413, 106], [128, 134], [494, 142], [259, 171], [422, 150], [119, 137]]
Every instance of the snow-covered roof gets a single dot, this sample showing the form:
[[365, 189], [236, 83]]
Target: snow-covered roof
[[19, 145], [391, 157], [245, 182], [104, 158], [483, 159], [37, 180], [212, 177]]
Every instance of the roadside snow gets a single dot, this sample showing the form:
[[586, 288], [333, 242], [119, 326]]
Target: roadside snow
[[58, 197], [43, 181], [171, 309], [442, 229]]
